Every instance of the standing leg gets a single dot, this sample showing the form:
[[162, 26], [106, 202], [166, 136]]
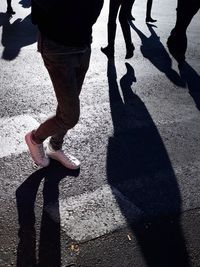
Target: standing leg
[[185, 12], [71, 109], [113, 11], [9, 11], [130, 17], [123, 18], [177, 41], [148, 11], [62, 67]]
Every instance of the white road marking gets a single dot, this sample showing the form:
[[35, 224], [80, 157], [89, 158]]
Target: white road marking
[[13, 129], [93, 214], [12, 132]]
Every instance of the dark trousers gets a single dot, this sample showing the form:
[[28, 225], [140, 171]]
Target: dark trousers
[[186, 9], [67, 67], [148, 10], [177, 41], [123, 7], [8, 3]]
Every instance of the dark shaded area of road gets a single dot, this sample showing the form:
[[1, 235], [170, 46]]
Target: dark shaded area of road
[[49, 247], [139, 168]]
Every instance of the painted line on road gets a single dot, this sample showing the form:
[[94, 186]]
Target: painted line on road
[[13, 129], [93, 214], [12, 132]]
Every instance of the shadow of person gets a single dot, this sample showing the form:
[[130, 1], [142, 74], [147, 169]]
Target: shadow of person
[[155, 52], [4, 17], [19, 34], [49, 242], [192, 80], [141, 176], [25, 3]]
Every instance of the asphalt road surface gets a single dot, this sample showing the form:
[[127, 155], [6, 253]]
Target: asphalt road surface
[[135, 200]]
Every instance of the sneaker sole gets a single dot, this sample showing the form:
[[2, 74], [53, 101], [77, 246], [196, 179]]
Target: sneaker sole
[[68, 167]]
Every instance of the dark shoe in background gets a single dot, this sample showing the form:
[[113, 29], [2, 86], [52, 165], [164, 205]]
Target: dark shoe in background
[[149, 20]]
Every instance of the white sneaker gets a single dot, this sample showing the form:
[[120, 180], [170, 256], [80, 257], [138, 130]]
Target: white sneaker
[[65, 159], [37, 151]]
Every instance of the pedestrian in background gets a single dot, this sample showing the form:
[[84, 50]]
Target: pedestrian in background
[[65, 35], [10, 10], [148, 12], [123, 7], [130, 17], [177, 41]]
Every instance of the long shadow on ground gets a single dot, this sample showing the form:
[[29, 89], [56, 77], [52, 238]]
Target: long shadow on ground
[[49, 247], [142, 178]]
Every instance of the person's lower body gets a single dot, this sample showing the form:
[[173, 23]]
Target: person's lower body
[[123, 18], [149, 19], [67, 68], [177, 45], [130, 16], [10, 10], [124, 22], [109, 50], [177, 41]]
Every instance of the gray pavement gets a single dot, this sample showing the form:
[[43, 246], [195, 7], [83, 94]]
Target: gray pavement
[[135, 201]]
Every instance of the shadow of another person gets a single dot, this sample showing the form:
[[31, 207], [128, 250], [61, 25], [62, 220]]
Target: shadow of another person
[[16, 35], [153, 50], [192, 80]]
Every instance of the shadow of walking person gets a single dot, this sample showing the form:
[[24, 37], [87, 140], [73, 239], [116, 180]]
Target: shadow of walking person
[[192, 80], [49, 248], [140, 174], [16, 35], [155, 52], [4, 18]]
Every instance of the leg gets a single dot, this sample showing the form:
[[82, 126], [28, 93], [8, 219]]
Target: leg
[[123, 18], [56, 140], [9, 8], [130, 17], [177, 41], [113, 11], [9, 3], [148, 11], [54, 150], [62, 67], [185, 13]]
